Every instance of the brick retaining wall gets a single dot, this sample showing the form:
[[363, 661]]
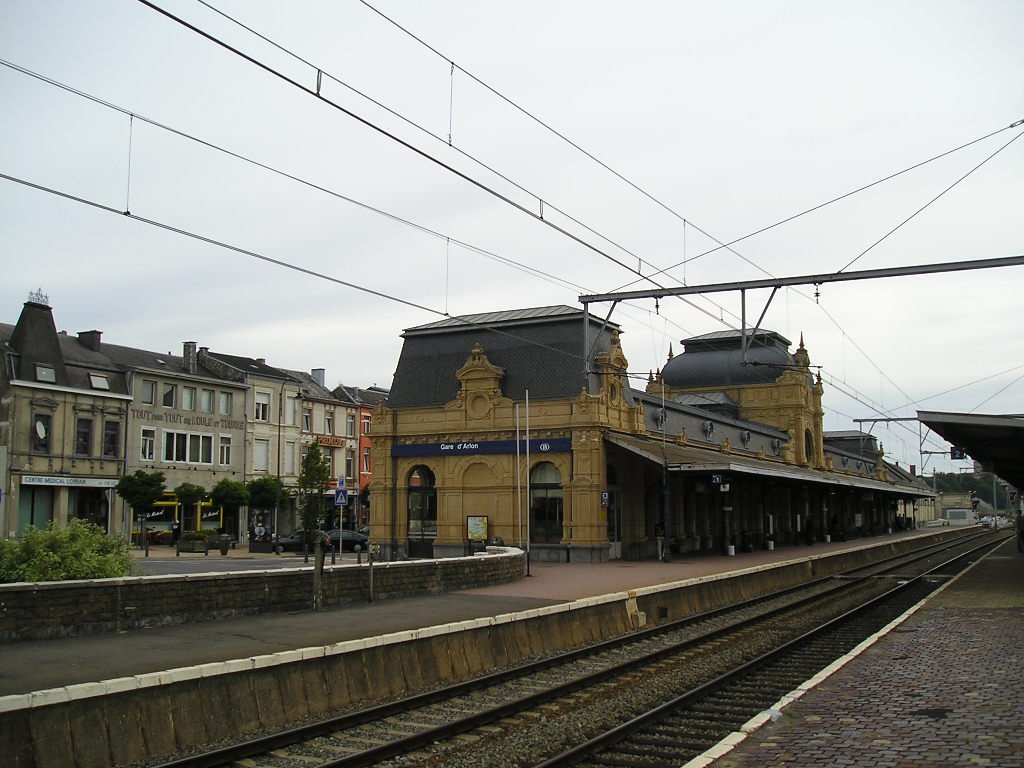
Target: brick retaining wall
[[69, 608]]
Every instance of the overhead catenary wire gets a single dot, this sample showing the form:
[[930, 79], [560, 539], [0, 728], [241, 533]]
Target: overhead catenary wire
[[271, 70], [284, 264], [448, 239]]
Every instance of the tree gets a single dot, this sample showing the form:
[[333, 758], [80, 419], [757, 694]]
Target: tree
[[142, 490], [313, 478], [312, 482], [229, 494], [79, 551], [189, 495], [265, 492]]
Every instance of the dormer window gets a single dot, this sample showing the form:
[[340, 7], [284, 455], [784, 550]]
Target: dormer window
[[46, 373], [99, 381]]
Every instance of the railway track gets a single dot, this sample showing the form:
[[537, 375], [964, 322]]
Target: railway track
[[656, 697]]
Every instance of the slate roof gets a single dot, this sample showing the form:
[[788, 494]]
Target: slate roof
[[541, 349], [310, 387], [251, 366], [359, 396], [715, 360], [35, 340]]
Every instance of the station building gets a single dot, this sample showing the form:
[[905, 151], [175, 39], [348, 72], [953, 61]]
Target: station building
[[522, 426]]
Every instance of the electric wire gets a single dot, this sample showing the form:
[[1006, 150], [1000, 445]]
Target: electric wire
[[348, 112], [595, 159], [998, 392], [408, 121], [491, 255], [464, 319], [460, 151], [929, 203]]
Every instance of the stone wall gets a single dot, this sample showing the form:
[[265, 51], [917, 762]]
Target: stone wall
[[70, 608]]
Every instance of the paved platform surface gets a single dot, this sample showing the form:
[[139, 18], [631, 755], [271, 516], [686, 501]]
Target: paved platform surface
[[944, 689]]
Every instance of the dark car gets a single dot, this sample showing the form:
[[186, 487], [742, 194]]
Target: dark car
[[341, 540], [348, 539]]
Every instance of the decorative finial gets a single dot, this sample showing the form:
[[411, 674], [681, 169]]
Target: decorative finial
[[38, 297]]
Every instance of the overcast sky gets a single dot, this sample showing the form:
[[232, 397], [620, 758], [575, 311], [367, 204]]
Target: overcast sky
[[724, 117]]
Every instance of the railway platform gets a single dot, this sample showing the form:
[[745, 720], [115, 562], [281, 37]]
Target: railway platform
[[945, 688], [38, 665]]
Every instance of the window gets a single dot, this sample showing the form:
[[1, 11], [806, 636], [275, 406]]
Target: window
[[350, 425], [366, 459], [170, 395], [260, 455], [366, 423], [83, 437], [188, 398], [350, 469], [289, 458], [99, 381], [307, 420], [200, 449], [225, 403], [290, 409], [225, 450], [148, 392], [262, 406], [328, 422], [206, 401], [111, 439], [148, 445], [41, 433], [46, 373], [188, 448]]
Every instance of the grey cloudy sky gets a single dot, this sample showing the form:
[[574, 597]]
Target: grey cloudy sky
[[731, 115]]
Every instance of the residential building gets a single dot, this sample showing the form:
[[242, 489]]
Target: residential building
[[64, 411], [188, 422], [359, 424]]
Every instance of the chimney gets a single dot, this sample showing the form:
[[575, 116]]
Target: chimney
[[261, 360], [90, 339], [190, 359], [319, 375]]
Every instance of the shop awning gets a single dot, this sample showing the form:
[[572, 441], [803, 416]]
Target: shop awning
[[688, 459]]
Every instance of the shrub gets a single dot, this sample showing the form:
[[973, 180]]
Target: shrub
[[80, 550]]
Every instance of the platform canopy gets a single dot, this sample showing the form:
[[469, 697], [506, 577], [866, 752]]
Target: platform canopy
[[995, 441]]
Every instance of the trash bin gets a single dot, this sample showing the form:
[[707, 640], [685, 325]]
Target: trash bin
[[224, 541]]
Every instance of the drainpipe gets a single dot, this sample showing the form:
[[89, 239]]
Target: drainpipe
[[394, 484]]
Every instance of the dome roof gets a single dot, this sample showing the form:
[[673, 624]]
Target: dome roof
[[715, 360]]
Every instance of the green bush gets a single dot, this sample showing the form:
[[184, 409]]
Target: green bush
[[80, 550], [202, 535]]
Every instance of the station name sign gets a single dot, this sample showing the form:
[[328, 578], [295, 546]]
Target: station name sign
[[483, 447]]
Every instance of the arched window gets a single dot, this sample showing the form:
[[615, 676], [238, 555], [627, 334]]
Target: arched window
[[809, 446], [422, 503], [545, 504]]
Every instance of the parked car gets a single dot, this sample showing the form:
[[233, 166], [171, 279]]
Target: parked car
[[341, 540], [345, 540], [294, 542]]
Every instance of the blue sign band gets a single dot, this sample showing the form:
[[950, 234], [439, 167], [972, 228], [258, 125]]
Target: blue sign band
[[469, 448]]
